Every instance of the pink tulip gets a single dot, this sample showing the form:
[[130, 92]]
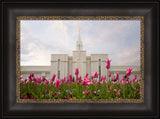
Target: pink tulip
[[70, 78], [110, 87], [119, 91], [77, 71], [32, 74], [112, 78], [87, 92], [114, 90], [101, 78], [38, 79], [25, 97], [92, 77], [55, 94], [43, 79], [108, 63], [135, 77], [57, 84], [138, 90], [139, 79], [64, 97], [79, 79], [34, 79], [86, 82], [20, 77], [109, 74], [22, 81], [64, 78], [95, 75], [51, 82], [86, 76], [117, 76], [123, 77], [129, 70], [104, 78], [53, 78], [26, 80], [32, 82], [47, 82]]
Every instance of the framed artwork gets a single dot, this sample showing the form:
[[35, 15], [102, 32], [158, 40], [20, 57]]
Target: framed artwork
[[81, 78], [91, 59]]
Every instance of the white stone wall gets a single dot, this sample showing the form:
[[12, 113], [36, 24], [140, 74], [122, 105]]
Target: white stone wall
[[63, 65], [79, 61], [95, 63], [88, 66], [70, 65]]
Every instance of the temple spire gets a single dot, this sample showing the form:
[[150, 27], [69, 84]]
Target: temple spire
[[79, 38], [79, 42]]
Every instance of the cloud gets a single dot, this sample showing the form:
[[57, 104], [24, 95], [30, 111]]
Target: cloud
[[120, 39]]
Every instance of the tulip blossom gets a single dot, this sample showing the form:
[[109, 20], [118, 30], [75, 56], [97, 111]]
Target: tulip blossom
[[53, 78], [138, 90], [117, 76], [112, 78], [101, 78], [104, 78], [95, 75], [135, 77], [92, 77], [43, 79], [64, 97], [86, 76], [57, 84], [129, 70], [119, 91], [20, 77], [25, 97], [79, 79], [114, 90], [55, 94], [70, 78], [30, 77], [108, 63], [109, 74], [38, 80], [139, 79], [34, 79], [87, 92], [110, 87], [47, 82], [26, 80], [22, 81], [32, 74], [123, 77], [77, 71], [86, 82], [32, 97]]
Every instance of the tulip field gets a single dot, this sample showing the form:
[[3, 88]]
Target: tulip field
[[107, 87]]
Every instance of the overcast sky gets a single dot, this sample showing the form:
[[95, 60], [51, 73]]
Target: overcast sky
[[118, 38]]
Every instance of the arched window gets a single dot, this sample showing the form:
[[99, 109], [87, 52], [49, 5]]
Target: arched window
[[58, 68], [99, 67]]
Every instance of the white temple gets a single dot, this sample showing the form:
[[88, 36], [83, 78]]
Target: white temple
[[62, 65]]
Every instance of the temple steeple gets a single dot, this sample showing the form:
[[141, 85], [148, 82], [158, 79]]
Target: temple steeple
[[79, 45]]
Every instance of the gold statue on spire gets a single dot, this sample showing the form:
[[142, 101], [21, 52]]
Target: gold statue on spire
[[79, 29]]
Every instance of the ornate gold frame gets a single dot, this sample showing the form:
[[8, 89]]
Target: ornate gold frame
[[18, 18]]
